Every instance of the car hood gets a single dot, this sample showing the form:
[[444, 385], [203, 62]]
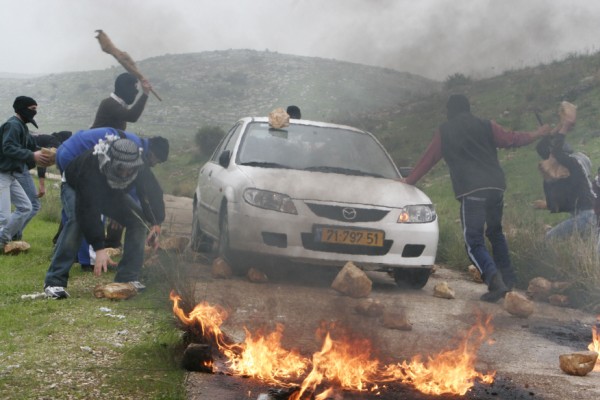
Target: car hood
[[309, 185]]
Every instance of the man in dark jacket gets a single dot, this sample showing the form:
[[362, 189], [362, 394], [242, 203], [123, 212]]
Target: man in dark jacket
[[114, 111], [97, 183], [26, 180], [469, 146], [17, 153], [572, 193]]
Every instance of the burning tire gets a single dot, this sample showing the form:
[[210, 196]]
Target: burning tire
[[413, 278]]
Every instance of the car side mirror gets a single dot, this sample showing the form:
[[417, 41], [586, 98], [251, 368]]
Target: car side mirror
[[225, 158], [405, 171]]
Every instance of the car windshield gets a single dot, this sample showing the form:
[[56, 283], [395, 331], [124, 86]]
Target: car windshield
[[314, 148]]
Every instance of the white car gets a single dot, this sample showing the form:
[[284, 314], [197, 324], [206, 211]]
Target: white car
[[316, 193]]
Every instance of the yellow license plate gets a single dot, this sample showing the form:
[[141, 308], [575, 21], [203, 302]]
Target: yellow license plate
[[361, 237]]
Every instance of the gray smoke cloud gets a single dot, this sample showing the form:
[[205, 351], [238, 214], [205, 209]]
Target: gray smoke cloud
[[432, 38]]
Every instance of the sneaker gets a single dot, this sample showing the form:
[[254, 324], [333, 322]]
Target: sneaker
[[56, 292], [139, 286], [496, 290]]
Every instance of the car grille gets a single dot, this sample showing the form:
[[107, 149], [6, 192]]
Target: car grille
[[347, 214], [308, 242]]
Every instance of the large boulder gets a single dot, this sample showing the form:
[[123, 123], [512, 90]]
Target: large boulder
[[518, 305], [352, 281], [579, 363]]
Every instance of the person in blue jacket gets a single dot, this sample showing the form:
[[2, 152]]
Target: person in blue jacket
[[155, 150]]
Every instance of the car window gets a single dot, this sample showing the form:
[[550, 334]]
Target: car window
[[313, 148], [228, 142]]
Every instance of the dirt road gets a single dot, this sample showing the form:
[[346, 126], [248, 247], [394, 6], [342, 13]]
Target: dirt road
[[523, 352]]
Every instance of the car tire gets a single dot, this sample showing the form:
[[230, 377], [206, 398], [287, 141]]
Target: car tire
[[223, 249], [198, 241], [412, 278]]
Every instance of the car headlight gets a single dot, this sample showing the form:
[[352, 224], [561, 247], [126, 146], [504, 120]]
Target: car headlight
[[270, 200], [417, 214]]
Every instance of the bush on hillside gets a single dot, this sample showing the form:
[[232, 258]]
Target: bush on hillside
[[456, 80], [207, 139]]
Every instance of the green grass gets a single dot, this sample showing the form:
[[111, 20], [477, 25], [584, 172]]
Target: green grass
[[83, 347]]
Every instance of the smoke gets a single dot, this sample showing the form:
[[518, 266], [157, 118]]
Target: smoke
[[432, 38]]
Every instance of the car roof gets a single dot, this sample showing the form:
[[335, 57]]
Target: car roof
[[305, 122]]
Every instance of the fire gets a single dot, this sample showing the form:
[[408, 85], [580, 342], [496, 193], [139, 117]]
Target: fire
[[451, 371], [264, 358], [595, 345], [345, 362], [342, 362]]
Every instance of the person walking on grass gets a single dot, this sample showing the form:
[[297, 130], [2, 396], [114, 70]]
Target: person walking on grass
[[17, 154], [469, 145], [96, 183], [26, 180]]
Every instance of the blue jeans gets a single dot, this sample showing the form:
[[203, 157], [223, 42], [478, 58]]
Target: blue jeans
[[583, 223], [26, 181], [70, 238], [12, 192], [483, 210]]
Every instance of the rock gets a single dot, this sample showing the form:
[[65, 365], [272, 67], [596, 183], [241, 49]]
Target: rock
[[540, 204], [256, 276], [560, 287], [518, 305], [539, 289], [112, 252], [352, 281], [396, 320], [370, 308], [579, 363], [115, 290], [474, 272], [559, 300], [16, 247], [443, 291], [174, 243], [220, 269]]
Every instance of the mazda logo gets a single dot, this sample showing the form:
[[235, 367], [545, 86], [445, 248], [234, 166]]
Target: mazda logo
[[349, 213]]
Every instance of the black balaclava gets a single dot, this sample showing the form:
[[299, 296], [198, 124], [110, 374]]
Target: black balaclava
[[21, 107], [457, 104], [294, 112], [159, 146], [126, 87]]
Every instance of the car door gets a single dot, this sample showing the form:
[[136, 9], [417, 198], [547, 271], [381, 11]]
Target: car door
[[211, 187]]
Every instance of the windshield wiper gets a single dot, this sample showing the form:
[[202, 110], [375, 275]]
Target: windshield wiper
[[339, 170], [265, 164]]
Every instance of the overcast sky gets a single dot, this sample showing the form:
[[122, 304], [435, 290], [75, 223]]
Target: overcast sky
[[432, 38]]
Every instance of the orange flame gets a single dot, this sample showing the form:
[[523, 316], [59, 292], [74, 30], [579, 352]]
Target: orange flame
[[595, 345], [264, 358], [449, 372], [344, 362]]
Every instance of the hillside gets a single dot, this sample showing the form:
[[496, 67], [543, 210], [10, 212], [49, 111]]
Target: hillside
[[217, 88]]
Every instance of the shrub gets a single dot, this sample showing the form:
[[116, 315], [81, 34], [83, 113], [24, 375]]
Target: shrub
[[207, 139], [456, 80]]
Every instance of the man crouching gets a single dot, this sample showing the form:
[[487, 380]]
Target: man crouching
[[97, 183]]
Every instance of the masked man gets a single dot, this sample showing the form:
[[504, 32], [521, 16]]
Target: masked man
[[97, 183], [17, 155]]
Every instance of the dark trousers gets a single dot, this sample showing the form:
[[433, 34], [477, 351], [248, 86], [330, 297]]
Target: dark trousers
[[481, 212]]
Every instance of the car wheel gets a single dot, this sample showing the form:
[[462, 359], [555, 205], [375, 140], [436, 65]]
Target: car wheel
[[224, 250], [413, 278], [199, 242]]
